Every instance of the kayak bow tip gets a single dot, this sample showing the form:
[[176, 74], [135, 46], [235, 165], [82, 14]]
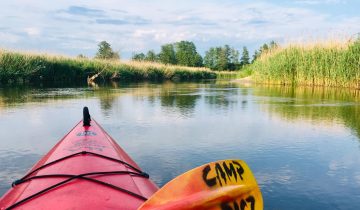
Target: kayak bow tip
[[86, 116]]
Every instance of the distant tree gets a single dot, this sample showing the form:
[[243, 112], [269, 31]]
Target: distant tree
[[167, 54], [106, 52], [210, 58], [234, 57], [234, 63], [273, 45], [245, 58], [151, 56], [81, 56], [138, 57], [222, 58], [186, 54], [255, 56], [198, 60], [264, 48]]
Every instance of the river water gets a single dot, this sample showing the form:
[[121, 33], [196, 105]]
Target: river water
[[302, 144]]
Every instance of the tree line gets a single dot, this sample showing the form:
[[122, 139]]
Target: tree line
[[105, 52], [184, 53], [216, 58], [180, 53]]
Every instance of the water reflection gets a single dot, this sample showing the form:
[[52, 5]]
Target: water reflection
[[301, 143], [9, 96], [315, 104], [14, 164]]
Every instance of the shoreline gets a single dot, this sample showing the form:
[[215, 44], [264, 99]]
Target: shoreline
[[17, 67]]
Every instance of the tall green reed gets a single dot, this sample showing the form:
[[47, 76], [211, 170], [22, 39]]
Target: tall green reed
[[320, 64]]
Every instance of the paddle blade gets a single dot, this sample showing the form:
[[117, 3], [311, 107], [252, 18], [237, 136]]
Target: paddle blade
[[221, 185]]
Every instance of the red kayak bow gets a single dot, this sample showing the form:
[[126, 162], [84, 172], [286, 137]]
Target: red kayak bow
[[87, 169]]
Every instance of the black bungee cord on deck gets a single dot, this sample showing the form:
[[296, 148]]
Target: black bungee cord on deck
[[79, 176], [83, 153]]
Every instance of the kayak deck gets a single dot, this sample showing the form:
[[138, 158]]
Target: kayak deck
[[85, 170]]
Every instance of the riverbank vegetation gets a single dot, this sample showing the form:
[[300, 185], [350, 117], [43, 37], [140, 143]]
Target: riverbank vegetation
[[175, 61], [24, 67], [321, 64]]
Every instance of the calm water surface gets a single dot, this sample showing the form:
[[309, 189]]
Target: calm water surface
[[302, 144]]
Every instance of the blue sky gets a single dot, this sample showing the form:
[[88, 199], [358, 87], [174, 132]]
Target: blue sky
[[73, 27]]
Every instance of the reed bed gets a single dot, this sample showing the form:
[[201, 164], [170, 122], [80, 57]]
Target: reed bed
[[226, 74], [30, 67], [246, 71], [322, 64]]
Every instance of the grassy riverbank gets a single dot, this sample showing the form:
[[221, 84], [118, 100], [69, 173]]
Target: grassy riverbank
[[24, 67], [325, 64]]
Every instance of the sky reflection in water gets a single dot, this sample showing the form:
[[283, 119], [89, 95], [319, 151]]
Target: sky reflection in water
[[302, 144]]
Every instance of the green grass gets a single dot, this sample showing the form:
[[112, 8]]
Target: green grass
[[33, 68], [325, 64], [246, 71], [226, 74]]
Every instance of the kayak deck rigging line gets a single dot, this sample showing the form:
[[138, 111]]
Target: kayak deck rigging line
[[79, 176], [82, 153]]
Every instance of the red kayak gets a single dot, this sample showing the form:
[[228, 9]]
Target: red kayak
[[85, 170]]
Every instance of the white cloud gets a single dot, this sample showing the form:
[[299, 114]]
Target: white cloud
[[314, 2], [10, 38], [32, 31], [141, 26]]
